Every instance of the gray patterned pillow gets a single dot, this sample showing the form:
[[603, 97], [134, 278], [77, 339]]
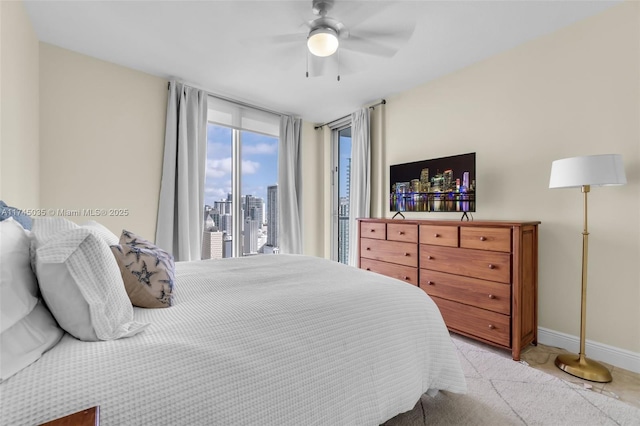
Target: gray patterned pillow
[[148, 274]]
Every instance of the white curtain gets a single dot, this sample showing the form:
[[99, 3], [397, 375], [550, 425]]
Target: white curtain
[[289, 186], [181, 207], [360, 179]]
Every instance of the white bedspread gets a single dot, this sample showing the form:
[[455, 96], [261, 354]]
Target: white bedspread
[[253, 341]]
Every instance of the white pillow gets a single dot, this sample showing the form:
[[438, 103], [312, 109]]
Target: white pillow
[[18, 285], [27, 329], [27, 340], [81, 283], [109, 237]]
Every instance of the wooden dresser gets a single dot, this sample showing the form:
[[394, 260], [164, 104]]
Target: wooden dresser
[[483, 275]]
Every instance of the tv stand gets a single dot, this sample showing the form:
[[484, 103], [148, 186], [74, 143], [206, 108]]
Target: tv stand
[[464, 214], [398, 213]]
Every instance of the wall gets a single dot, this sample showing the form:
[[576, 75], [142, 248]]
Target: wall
[[573, 92], [102, 139], [19, 112]]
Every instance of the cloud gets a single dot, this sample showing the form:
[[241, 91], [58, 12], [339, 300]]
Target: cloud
[[250, 167], [260, 148], [217, 168], [222, 167]]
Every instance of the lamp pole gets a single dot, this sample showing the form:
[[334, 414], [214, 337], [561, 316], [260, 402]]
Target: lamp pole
[[581, 366]]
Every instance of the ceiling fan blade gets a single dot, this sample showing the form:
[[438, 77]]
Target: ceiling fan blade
[[380, 42], [356, 13], [367, 46]]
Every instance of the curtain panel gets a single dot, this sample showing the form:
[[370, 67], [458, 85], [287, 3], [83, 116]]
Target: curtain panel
[[360, 178], [181, 206], [289, 186]]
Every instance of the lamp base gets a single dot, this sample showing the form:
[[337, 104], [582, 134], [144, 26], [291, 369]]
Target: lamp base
[[584, 368]]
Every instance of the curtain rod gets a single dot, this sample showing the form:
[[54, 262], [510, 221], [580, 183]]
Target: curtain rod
[[240, 103], [382, 102]]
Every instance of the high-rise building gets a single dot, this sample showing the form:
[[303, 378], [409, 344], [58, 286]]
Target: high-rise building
[[465, 180], [212, 242], [225, 223], [272, 215], [250, 234], [254, 209]]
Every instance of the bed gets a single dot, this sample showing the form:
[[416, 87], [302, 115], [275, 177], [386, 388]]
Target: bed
[[271, 339]]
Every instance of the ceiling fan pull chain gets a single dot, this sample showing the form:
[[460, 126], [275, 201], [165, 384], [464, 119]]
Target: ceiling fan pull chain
[[307, 62], [338, 65]]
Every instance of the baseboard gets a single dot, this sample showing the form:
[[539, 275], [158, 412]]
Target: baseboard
[[598, 351]]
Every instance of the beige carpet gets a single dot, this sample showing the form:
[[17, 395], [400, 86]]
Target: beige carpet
[[505, 392]]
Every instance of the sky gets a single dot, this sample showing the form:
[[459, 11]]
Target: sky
[[259, 163]]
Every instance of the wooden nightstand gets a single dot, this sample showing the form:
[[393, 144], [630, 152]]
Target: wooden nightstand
[[88, 417]]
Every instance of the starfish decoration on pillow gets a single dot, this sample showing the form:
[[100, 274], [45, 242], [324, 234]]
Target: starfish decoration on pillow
[[143, 275], [136, 252]]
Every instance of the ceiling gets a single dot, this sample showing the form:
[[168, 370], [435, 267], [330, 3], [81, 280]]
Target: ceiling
[[233, 48]]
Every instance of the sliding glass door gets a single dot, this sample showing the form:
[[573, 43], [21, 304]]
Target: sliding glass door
[[340, 199]]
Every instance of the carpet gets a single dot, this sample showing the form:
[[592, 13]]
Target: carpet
[[505, 392]]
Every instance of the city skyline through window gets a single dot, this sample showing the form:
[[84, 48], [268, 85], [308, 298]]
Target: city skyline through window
[[257, 179]]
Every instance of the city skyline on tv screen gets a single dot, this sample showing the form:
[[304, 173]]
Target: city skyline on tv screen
[[446, 184]]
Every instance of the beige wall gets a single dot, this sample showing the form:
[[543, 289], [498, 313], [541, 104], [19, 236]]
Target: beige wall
[[573, 92], [102, 138], [19, 98]]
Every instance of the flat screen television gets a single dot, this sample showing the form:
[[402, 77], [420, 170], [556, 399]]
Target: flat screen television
[[446, 184]]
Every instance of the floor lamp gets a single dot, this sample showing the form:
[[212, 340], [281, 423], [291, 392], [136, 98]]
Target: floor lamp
[[584, 172]]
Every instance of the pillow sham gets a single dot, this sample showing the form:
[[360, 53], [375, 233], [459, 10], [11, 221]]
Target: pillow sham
[[27, 329], [18, 285], [81, 283], [128, 237], [148, 271], [109, 237], [148, 275]]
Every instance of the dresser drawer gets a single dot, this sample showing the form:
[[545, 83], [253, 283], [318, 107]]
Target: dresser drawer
[[470, 291], [373, 230], [402, 232], [486, 265], [439, 235], [476, 322], [495, 239], [390, 251], [403, 273]]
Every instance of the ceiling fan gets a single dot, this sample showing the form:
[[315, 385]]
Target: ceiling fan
[[328, 35]]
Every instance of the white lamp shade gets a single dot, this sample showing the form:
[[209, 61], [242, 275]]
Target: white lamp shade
[[595, 170], [323, 42]]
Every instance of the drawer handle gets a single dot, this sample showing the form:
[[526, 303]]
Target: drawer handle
[[406, 278], [492, 327], [430, 283], [372, 230], [368, 269], [436, 235], [429, 257], [400, 233], [492, 266], [368, 248], [491, 296], [406, 254], [483, 239]]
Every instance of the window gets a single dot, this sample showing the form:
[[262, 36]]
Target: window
[[241, 212], [342, 170]]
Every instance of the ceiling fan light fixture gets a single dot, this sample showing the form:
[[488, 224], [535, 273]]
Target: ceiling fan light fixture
[[323, 42]]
